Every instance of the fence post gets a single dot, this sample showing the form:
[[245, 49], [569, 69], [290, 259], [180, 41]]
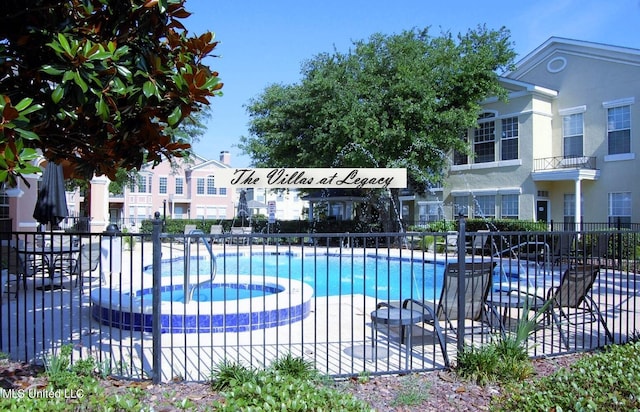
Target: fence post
[[619, 251], [155, 316], [461, 280]]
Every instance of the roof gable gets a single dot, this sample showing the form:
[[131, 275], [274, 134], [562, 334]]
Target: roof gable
[[544, 53]]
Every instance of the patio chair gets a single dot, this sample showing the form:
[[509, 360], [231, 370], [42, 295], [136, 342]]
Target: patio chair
[[16, 269], [187, 231], [216, 232], [571, 301], [478, 277], [88, 260], [479, 242], [599, 250], [448, 244], [562, 248], [238, 234]]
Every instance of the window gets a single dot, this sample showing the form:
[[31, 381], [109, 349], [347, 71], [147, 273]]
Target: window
[[619, 129], [222, 191], [4, 205], [620, 208], [570, 210], [509, 138], [211, 185], [509, 206], [460, 158], [430, 212], [143, 185], [179, 186], [200, 186], [485, 206], [132, 215], [572, 132], [162, 187], [460, 205], [484, 139]]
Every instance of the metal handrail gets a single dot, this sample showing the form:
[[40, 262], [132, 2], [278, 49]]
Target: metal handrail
[[565, 162], [188, 288]]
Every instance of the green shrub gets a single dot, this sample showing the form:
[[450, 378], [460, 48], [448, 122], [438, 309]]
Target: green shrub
[[295, 367], [71, 386], [289, 383], [281, 392], [608, 380], [478, 364], [229, 374]]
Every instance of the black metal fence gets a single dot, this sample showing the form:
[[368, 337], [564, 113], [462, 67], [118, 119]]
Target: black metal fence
[[162, 306]]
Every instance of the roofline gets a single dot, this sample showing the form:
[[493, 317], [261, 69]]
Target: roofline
[[530, 87], [571, 42]]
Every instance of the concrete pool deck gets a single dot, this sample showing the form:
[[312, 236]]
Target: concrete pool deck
[[336, 335]]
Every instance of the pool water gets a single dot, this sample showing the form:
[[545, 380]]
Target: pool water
[[335, 275], [381, 277], [215, 293]]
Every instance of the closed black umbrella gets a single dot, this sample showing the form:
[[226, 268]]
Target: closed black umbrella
[[243, 207], [51, 206]]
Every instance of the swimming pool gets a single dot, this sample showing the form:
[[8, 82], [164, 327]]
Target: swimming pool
[[381, 277]]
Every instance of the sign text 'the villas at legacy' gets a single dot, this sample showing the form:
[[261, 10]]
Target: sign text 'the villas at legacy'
[[368, 178]]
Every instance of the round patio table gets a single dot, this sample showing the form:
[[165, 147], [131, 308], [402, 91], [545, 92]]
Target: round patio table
[[391, 316]]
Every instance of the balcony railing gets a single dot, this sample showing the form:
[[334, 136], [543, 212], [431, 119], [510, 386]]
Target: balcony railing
[[561, 162]]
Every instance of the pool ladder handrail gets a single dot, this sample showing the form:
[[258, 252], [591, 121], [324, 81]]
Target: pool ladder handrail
[[188, 288]]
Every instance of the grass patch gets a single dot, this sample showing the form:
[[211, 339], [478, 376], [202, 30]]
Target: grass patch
[[411, 392]]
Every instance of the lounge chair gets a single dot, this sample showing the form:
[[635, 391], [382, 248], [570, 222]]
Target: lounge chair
[[570, 301], [187, 231], [16, 269], [599, 250], [239, 234], [562, 247], [479, 242], [88, 260], [478, 277], [448, 244], [216, 232]]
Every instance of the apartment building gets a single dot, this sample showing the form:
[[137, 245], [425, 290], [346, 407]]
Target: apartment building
[[561, 148], [188, 189], [181, 189]]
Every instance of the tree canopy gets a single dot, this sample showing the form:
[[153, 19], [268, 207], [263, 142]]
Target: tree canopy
[[392, 101], [98, 85]]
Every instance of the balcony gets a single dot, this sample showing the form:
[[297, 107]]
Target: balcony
[[560, 162], [565, 168]]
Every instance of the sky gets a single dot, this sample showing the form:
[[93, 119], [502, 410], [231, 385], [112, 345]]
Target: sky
[[266, 42]]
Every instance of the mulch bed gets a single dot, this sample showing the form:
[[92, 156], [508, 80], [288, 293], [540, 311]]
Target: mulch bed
[[446, 392]]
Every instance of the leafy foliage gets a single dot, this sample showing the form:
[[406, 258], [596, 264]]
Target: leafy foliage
[[608, 380], [289, 383], [107, 82], [393, 101]]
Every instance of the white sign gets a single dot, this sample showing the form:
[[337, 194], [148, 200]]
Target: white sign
[[271, 211], [366, 178]]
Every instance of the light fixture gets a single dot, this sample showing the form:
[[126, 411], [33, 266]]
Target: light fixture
[[14, 192]]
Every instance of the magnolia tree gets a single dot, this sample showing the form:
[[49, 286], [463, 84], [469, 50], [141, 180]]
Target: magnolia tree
[[98, 85]]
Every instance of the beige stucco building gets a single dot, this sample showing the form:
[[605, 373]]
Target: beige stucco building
[[569, 130]]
